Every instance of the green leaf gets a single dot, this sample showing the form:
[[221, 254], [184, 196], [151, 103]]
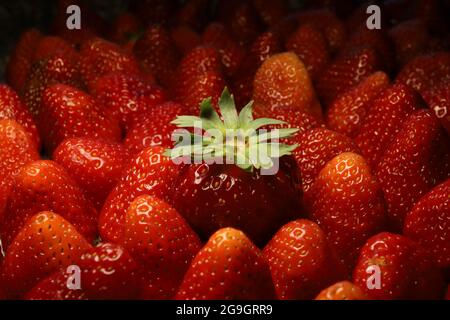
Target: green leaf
[[207, 112], [276, 134], [228, 110], [246, 116], [262, 122]]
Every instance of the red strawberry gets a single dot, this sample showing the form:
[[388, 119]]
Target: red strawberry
[[46, 243], [153, 11], [126, 96], [343, 290], [48, 46], [20, 61], [438, 100], [428, 223], [244, 22], [154, 128], [291, 87], [317, 147], [346, 71], [415, 161], [150, 172], [157, 53], [41, 186], [270, 11], [11, 107], [311, 47], [95, 165], [228, 267], [348, 111], [159, 238], [99, 57], [301, 261], [125, 27], [185, 39], [386, 113], [425, 72], [193, 13], [406, 271], [73, 114]]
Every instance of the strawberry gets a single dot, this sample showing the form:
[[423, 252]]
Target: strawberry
[[125, 28], [157, 54], [270, 11], [228, 267], [48, 46], [348, 111], [20, 61], [244, 22], [193, 13], [46, 243], [95, 165], [311, 47], [99, 57], [346, 71], [428, 221], [301, 261], [347, 203], [41, 186], [150, 172], [11, 107], [425, 72], [406, 271], [185, 39], [438, 100], [386, 113], [153, 11], [165, 258], [415, 161], [126, 96], [154, 128], [317, 147], [73, 114], [344, 290], [291, 87]]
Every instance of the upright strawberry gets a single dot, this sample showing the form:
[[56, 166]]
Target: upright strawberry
[[301, 261], [166, 258], [344, 290], [415, 161], [228, 267], [392, 266], [46, 243]]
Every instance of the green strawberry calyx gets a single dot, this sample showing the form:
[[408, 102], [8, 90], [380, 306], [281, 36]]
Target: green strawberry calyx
[[232, 138]]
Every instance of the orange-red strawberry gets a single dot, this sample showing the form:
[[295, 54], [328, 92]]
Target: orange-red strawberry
[[95, 165], [49, 46], [154, 128], [386, 114], [46, 243], [311, 47], [392, 266], [11, 107], [347, 203], [415, 161], [73, 113], [162, 242], [282, 80], [301, 261], [99, 57], [428, 223], [54, 287], [150, 172], [228, 267], [317, 147], [346, 71], [348, 111], [344, 290], [157, 54], [438, 100], [20, 61], [425, 72], [44, 185]]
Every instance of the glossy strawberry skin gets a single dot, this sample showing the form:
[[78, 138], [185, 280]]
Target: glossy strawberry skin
[[348, 111], [386, 114], [301, 261], [406, 269], [43, 185], [427, 223], [344, 290], [415, 161], [95, 165], [150, 172], [49, 46], [165, 258], [228, 267], [347, 203], [46, 243], [73, 114], [438, 100]]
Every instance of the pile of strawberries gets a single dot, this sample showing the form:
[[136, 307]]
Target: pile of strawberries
[[360, 209]]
